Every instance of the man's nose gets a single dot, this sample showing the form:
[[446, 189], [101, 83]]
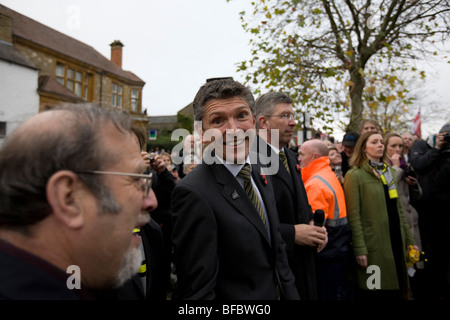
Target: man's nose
[[150, 202], [292, 122], [232, 124]]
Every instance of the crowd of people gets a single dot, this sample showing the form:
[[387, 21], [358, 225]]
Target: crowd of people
[[365, 218]]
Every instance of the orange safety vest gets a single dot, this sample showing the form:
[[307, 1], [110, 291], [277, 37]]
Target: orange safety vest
[[325, 192]]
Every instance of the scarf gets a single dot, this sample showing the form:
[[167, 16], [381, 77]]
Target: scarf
[[386, 177]]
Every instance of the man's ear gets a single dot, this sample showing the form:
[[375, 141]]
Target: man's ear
[[62, 190], [261, 122]]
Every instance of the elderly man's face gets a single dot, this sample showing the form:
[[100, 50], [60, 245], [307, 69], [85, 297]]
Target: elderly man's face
[[113, 255], [230, 120], [306, 155], [408, 140]]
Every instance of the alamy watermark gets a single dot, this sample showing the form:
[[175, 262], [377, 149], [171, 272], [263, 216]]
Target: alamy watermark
[[74, 18], [74, 280], [232, 146]]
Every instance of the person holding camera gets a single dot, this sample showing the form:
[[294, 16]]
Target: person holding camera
[[431, 162]]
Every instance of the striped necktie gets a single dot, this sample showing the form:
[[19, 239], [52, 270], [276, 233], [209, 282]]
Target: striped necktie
[[284, 160], [245, 174]]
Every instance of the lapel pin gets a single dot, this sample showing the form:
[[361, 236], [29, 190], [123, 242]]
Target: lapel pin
[[263, 176], [234, 195]]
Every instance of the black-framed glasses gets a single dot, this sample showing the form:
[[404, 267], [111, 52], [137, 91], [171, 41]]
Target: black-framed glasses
[[145, 180], [285, 116]]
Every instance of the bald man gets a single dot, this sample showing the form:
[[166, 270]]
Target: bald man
[[325, 192], [72, 190]]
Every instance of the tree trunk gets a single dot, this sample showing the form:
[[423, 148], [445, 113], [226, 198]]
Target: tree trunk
[[357, 106]]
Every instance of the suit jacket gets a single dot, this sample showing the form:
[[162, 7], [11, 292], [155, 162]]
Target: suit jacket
[[293, 208], [221, 247]]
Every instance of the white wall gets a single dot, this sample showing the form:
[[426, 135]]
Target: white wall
[[19, 99]]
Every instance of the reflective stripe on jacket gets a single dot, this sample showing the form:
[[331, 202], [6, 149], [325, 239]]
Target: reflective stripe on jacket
[[325, 192]]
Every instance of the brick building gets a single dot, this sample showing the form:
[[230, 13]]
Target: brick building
[[70, 70]]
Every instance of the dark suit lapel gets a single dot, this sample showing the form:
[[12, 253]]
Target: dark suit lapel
[[300, 193], [264, 186], [281, 173], [236, 196], [284, 176], [295, 169]]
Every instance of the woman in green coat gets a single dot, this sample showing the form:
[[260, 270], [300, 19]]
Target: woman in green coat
[[380, 233]]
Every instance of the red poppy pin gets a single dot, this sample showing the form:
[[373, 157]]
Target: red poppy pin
[[263, 176], [298, 168]]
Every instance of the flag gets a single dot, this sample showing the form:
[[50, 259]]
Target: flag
[[152, 135], [415, 128]]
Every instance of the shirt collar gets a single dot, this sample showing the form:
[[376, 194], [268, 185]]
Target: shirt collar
[[233, 167], [277, 151]]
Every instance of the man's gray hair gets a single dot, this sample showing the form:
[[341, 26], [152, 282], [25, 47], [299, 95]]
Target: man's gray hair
[[32, 154], [267, 102], [221, 89]]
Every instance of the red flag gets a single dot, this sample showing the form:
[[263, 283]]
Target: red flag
[[415, 128]]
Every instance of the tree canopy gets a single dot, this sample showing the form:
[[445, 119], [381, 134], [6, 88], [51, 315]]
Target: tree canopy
[[342, 56]]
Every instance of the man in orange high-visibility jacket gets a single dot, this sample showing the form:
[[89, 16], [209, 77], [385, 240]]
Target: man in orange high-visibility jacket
[[325, 192]]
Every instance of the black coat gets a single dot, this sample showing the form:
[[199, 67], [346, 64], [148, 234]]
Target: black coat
[[293, 208]]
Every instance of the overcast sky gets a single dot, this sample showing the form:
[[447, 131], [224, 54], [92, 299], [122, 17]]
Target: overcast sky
[[174, 46]]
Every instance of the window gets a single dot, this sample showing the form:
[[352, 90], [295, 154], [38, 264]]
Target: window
[[78, 83], [75, 80], [69, 82], [134, 100], [60, 73], [117, 95]]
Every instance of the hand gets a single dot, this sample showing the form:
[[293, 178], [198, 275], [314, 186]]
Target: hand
[[440, 142], [395, 158], [322, 246], [158, 164], [362, 261], [411, 181], [310, 235]]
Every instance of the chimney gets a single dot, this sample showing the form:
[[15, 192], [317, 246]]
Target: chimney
[[5, 28], [116, 52]]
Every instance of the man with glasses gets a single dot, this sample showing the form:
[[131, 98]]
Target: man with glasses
[[72, 190], [276, 123]]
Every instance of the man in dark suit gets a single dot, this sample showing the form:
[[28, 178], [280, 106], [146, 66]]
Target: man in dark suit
[[276, 123], [227, 245]]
